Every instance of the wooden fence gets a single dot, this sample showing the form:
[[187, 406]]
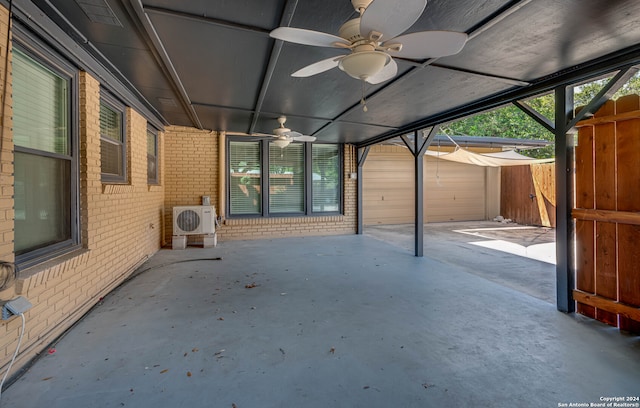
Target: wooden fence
[[528, 194], [607, 215]]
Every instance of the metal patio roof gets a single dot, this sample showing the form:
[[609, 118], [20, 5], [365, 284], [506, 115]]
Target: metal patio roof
[[212, 64]]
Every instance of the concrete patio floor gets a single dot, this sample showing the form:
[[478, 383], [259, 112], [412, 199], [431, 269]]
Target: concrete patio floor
[[346, 321], [489, 249]]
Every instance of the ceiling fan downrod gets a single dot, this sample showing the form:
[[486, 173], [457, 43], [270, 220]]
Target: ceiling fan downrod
[[360, 5]]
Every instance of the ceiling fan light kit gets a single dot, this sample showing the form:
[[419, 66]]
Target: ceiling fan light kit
[[282, 143], [363, 65]]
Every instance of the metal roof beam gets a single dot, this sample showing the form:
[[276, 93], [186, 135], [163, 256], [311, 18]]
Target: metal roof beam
[[544, 121], [611, 87], [154, 43], [208, 20], [285, 21]]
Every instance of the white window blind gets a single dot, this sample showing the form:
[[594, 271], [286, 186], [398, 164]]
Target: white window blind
[[245, 178], [152, 157], [40, 107], [326, 178], [111, 141], [286, 178]]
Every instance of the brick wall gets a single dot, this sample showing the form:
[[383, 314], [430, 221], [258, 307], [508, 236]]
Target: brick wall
[[193, 168], [121, 226]]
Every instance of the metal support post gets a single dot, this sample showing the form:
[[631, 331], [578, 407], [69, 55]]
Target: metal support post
[[565, 238], [362, 156]]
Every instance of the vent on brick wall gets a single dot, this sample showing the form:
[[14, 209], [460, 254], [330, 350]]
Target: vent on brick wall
[[99, 11]]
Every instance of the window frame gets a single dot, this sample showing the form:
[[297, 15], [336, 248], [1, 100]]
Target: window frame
[[264, 180], [156, 180], [34, 48], [112, 103]]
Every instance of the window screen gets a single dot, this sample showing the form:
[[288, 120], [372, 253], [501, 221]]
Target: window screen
[[245, 178], [326, 178], [286, 178]]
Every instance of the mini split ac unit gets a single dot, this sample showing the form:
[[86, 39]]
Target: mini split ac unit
[[194, 220]]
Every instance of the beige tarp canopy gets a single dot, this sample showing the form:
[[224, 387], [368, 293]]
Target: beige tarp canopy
[[506, 158]]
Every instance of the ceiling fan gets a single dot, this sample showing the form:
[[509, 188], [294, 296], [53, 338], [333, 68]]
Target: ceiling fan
[[283, 136], [373, 39]]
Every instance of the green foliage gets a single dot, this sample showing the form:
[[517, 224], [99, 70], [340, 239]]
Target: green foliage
[[585, 93], [510, 122]]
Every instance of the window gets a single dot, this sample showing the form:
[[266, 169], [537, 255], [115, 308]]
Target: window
[[302, 178], [152, 157], [245, 178], [286, 178], [113, 149], [45, 159], [326, 177]]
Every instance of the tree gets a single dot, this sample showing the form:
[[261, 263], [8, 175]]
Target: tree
[[510, 122]]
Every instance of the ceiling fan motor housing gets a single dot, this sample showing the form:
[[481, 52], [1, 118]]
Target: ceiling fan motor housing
[[350, 30], [281, 131]]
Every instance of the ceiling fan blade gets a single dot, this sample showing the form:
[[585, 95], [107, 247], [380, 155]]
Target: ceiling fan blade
[[428, 44], [318, 67], [389, 71], [390, 17], [305, 138], [307, 37], [293, 134]]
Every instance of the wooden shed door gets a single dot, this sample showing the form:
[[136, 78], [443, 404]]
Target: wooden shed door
[[606, 214]]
